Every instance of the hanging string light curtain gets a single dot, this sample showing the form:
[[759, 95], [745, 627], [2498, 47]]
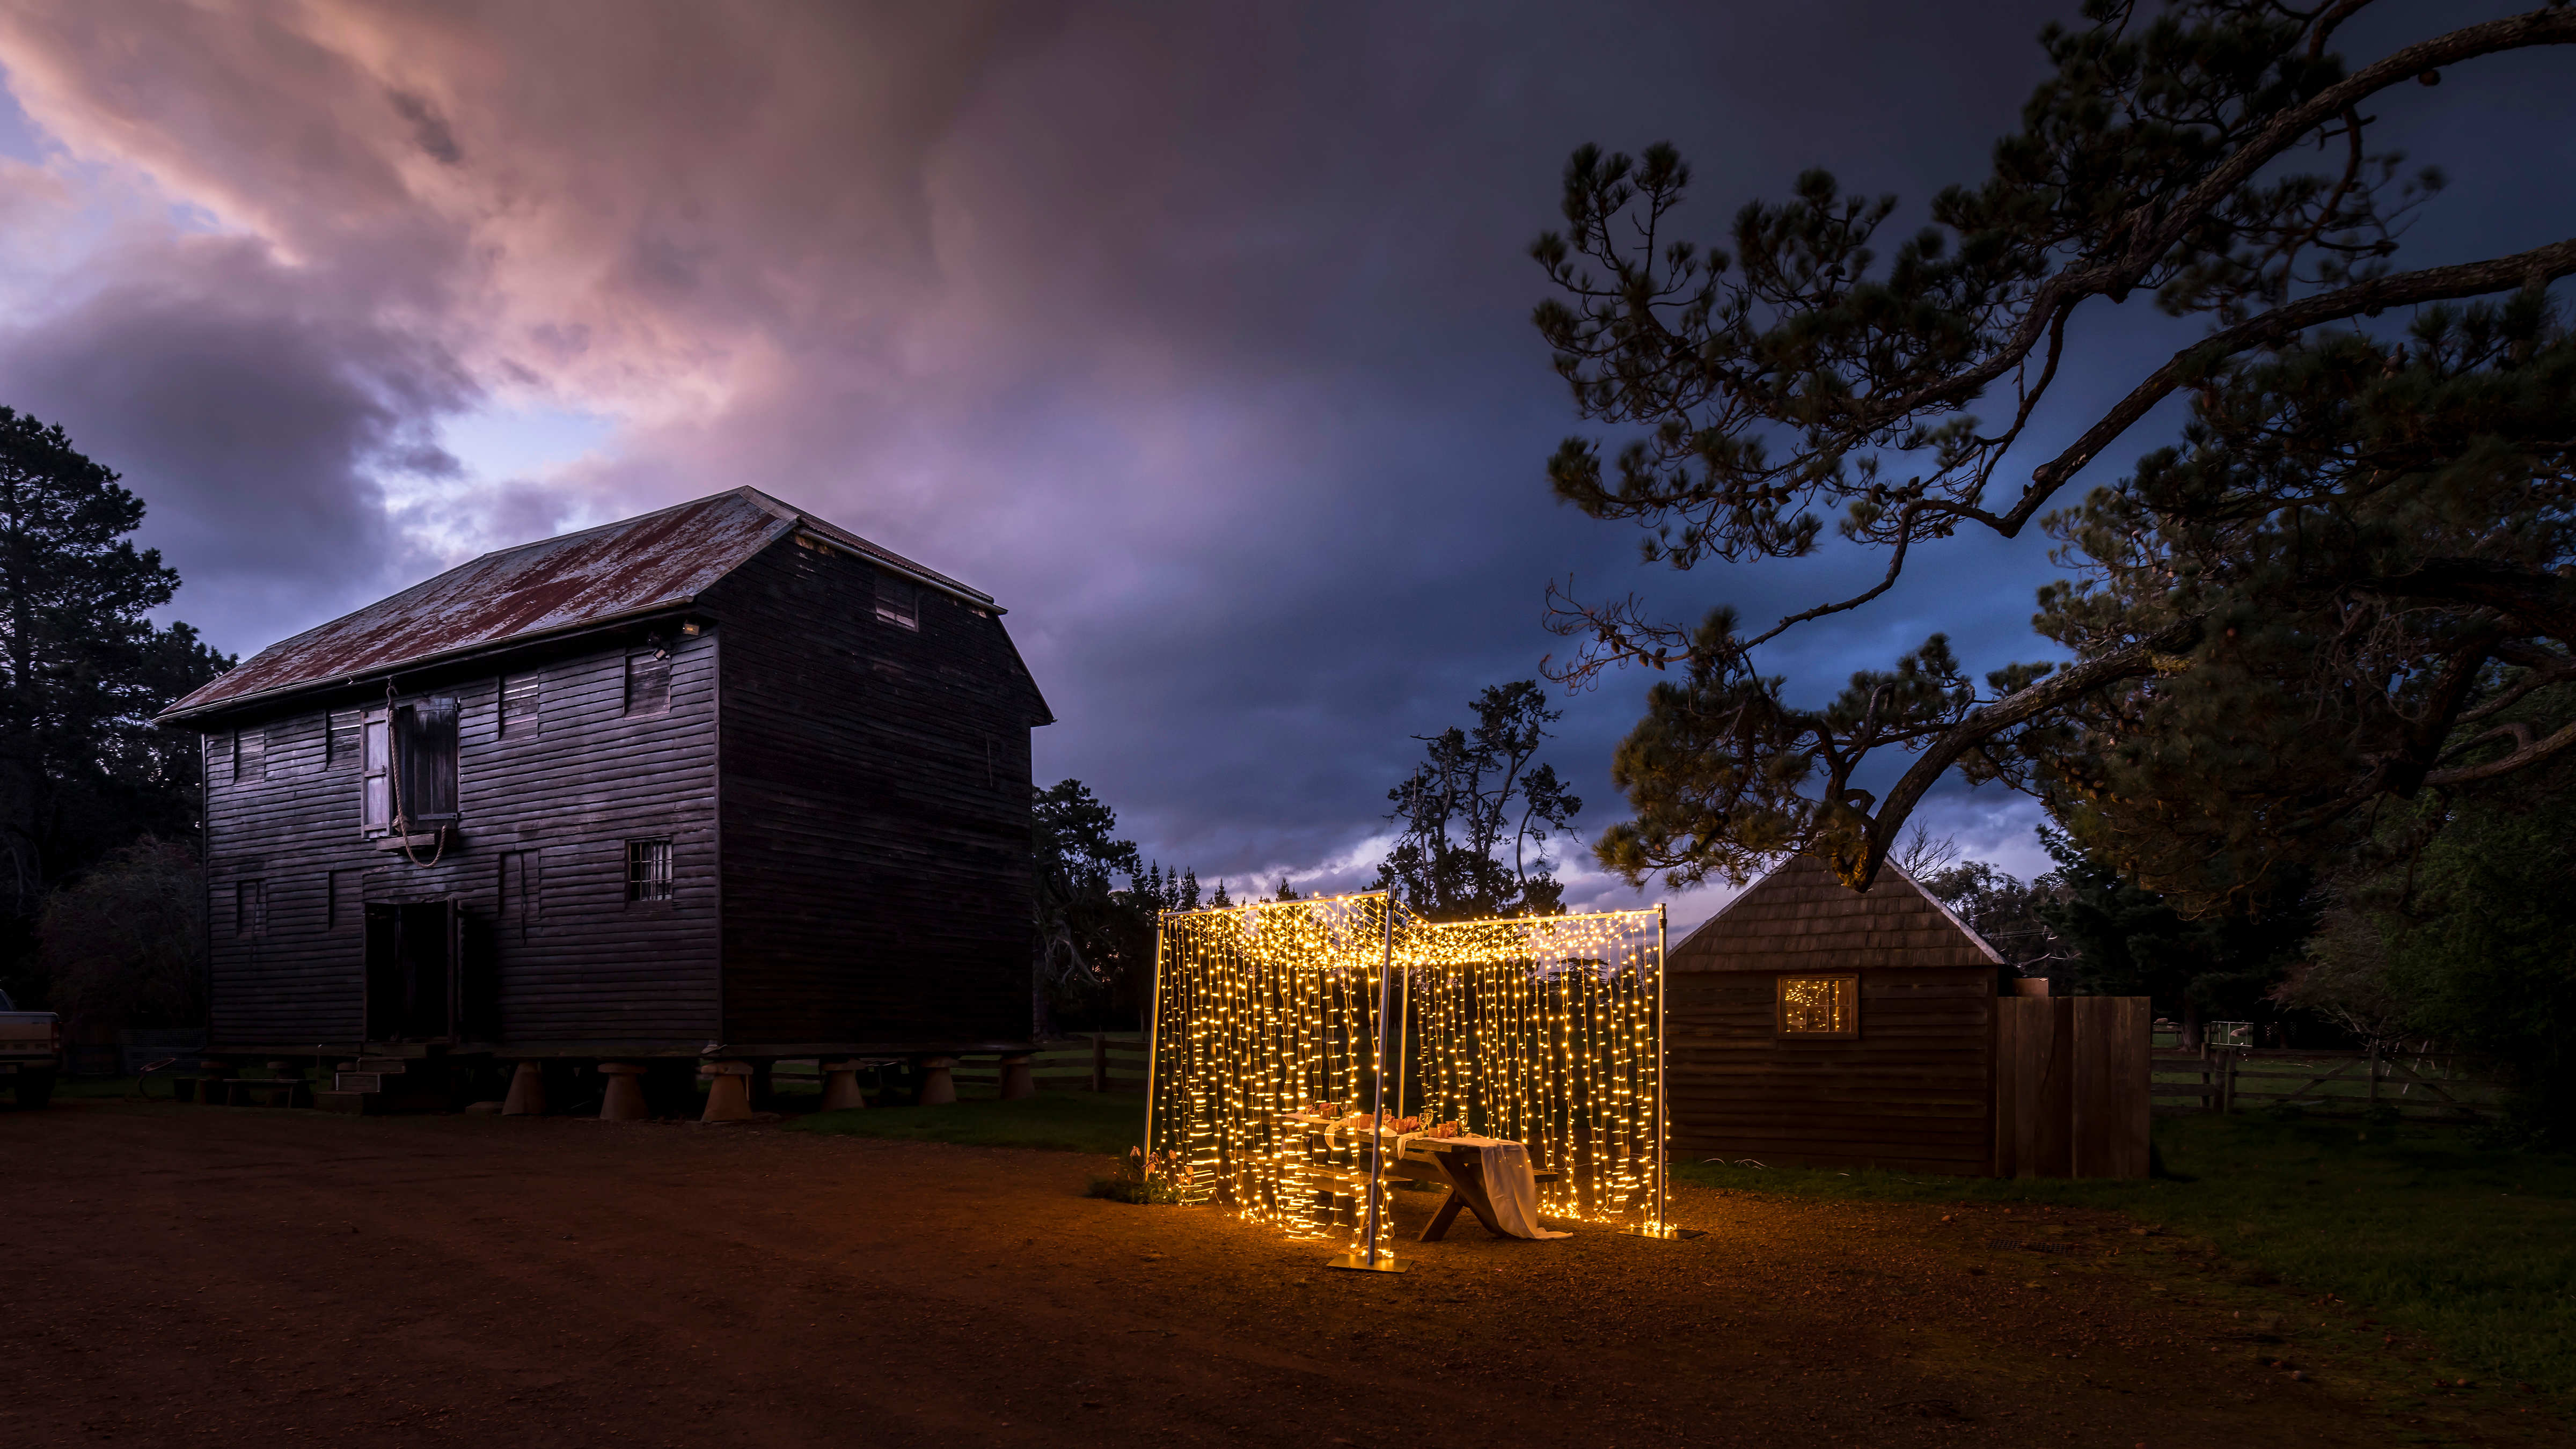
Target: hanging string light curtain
[[1543, 1030]]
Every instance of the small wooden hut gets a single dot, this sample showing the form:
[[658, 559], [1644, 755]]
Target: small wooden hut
[[1807, 1024]]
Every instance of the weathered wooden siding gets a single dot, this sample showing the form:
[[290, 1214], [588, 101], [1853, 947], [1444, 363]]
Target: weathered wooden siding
[[1913, 1091], [876, 811], [565, 788]]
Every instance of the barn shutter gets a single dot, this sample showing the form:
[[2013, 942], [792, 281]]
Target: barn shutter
[[376, 753], [648, 683]]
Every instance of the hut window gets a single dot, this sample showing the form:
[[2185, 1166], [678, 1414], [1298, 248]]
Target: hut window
[[1821, 1006], [648, 870], [898, 602], [342, 748], [648, 683], [219, 748], [250, 908], [250, 755], [519, 704]]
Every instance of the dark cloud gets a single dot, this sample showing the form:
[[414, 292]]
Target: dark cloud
[[1197, 333], [258, 422]]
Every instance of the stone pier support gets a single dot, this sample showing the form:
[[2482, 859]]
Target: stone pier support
[[841, 1087], [938, 1087], [527, 1091], [1019, 1078], [624, 1099], [728, 1091]]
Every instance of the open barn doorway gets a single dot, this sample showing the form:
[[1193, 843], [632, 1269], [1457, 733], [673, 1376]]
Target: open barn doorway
[[429, 973]]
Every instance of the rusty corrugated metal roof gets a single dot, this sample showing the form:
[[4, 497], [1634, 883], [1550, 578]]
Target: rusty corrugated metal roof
[[655, 561]]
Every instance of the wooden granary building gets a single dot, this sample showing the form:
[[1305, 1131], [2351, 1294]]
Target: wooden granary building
[[1807, 1024], [720, 780]]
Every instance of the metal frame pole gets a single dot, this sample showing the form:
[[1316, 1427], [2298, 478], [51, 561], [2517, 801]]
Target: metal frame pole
[[1369, 1260], [1154, 1034], [1657, 1227], [1663, 1132], [1377, 1134]]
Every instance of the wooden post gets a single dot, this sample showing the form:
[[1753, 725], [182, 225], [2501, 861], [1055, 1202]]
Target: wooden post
[[2374, 1073], [1100, 1060]]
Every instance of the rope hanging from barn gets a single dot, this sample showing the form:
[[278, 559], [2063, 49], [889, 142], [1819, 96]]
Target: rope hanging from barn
[[1544, 1030]]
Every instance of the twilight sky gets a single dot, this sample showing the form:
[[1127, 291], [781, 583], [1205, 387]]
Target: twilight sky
[[1196, 334]]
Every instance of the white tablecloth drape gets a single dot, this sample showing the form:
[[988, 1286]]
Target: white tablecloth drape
[[1512, 1189]]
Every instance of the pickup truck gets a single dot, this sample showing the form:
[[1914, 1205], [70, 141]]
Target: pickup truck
[[31, 1052]]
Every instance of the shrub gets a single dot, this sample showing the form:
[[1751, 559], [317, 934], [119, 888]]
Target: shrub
[[1161, 1178]]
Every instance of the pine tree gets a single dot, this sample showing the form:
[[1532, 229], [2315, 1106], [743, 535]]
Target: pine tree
[[1476, 817], [82, 671], [2342, 583]]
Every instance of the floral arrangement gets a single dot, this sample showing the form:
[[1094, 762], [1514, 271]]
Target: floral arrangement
[[1161, 1177]]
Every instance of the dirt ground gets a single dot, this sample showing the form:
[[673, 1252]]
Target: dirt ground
[[181, 1275]]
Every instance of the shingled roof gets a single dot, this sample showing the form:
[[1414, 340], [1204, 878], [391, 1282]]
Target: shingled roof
[[1800, 918], [636, 566]]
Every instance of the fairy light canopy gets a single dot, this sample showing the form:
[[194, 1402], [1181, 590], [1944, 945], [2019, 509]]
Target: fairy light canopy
[[1268, 1044]]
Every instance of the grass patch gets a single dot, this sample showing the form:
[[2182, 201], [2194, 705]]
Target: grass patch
[[1105, 1124], [2473, 1249]]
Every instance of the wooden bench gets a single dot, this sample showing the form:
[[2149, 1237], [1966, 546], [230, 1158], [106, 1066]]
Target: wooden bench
[[1462, 1170]]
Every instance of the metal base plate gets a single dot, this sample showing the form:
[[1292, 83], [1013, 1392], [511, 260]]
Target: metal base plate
[[1359, 1263], [1665, 1231]]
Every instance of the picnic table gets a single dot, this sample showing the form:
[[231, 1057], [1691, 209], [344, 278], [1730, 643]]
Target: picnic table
[[1457, 1163]]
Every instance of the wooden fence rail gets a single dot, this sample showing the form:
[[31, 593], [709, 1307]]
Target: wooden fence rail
[[2343, 1083]]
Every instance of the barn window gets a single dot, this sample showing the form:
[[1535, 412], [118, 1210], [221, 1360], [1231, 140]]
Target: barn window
[[348, 726], [250, 755], [424, 763], [648, 870], [250, 908], [648, 683], [219, 751], [898, 602], [1821, 1006], [519, 705]]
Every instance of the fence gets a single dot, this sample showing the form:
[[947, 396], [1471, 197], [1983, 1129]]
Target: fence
[[2424, 1086], [1099, 1062]]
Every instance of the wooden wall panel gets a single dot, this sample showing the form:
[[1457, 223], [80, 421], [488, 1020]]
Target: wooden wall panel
[[876, 806], [1913, 1091], [571, 783], [2071, 1084], [2114, 1059]]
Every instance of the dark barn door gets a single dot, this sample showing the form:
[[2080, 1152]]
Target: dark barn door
[[412, 971]]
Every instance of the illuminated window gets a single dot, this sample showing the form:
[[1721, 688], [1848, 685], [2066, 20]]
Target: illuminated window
[[1819, 1006]]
